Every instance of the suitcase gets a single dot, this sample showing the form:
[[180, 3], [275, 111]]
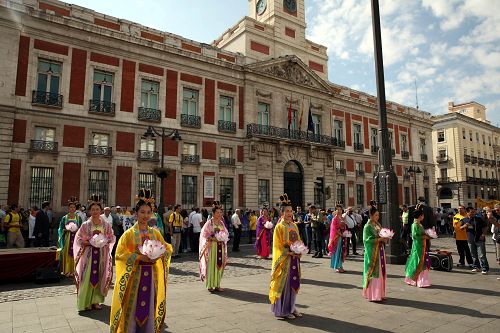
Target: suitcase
[[441, 260]]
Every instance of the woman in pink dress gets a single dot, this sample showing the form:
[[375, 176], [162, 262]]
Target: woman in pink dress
[[337, 244], [264, 235]]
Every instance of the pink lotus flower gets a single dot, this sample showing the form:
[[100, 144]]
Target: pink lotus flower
[[386, 233], [299, 247], [222, 236], [268, 225], [72, 227], [153, 249], [431, 233], [347, 234], [98, 240]]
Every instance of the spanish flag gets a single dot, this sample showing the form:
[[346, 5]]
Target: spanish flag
[[301, 113], [290, 112]]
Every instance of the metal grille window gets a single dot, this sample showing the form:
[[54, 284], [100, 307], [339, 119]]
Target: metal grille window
[[49, 76], [189, 191], [263, 114], [41, 185], [98, 184], [226, 193], [103, 86], [190, 102], [341, 193], [149, 94], [263, 191], [360, 194], [338, 130], [226, 108], [147, 180]]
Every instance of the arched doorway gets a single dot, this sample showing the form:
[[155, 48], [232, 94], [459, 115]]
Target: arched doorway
[[445, 193], [293, 180]]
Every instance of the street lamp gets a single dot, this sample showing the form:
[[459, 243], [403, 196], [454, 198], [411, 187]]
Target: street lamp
[[164, 133], [414, 171]]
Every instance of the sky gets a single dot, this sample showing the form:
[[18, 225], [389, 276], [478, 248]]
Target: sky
[[435, 51]]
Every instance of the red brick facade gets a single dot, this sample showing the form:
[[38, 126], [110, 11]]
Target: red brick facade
[[71, 181], [123, 185], [19, 131], [128, 84], [74, 136], [22, 65], [77, 79], [14, 181], [125, 142]]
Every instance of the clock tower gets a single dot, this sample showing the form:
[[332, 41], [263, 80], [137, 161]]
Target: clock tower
[[280, 13]]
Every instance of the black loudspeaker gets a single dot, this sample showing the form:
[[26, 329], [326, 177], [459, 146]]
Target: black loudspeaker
[[47, 275], [441, 260]]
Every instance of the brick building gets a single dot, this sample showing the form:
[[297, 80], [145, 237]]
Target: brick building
[[81, 88]]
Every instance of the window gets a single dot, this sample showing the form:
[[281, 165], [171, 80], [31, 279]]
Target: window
[[148, 145], [423, 148], [263, 191], [49, 76], [98, 184], [404, 142], [477, 137], [103, 87], [406, 195], [474, 173], [466, 172], [442, 153], [470, 135], [149, 94], [406, 173], [100, 140], [357, 133], [226, 193], [440, 136], [226, 152], [190, 102], [317, 124], [463, 134], [189, 149], [147, 180], [444, 173], [341, 193], [480, 173], [469, 192], [294, 121], [339, 164], [360, 195], [489, 141], [263, 114], [375, 169], [359, 166], [189, 191], [390, 140], [44, 134], [374, 137], [486, 174], [226, 108], [338, 129], [484, 139], [41, 185]]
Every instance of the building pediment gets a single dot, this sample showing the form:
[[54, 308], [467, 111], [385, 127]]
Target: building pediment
[[291, 69]]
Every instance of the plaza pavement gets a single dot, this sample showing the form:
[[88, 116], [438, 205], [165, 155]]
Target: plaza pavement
[[458, 301]]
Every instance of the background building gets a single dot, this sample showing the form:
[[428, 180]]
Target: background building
[[466, 150], [80, 89]]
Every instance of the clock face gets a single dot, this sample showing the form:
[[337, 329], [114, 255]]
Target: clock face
[[290, 5], [261, 6]]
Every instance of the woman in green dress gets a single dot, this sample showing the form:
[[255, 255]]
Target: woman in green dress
[[213, 252], [66, 239], [418, 264]]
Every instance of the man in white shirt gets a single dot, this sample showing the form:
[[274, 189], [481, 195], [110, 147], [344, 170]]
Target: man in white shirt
[[196, 220], [351, 224], [106, 216], [80, 211], [236, 222]]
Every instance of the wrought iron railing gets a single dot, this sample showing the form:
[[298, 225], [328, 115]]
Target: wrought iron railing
[[148, 155], [149, 114], [340, 171], [100, 150], [360, 173], [102, 107], [443, 180], [405, 155], [480, 161], [190, 121], [487, 162], [44, 146], [47, 99], [423, 157], [473, 159], [442, 158], [226, 126], [256, 130], [471, 180], [227, 161], [190, 159], [358, 146], [466, 158]]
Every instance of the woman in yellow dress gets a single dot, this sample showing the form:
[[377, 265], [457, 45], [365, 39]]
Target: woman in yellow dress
[[139, 295], [66, 239]]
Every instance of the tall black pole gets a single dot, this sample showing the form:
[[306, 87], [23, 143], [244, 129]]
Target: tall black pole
[[386, 180]]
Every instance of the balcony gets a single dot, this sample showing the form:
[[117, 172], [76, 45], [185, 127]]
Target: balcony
[[104, 108], [360, 173], [190, 121], [374, 150], [493, 182], [338, 143], [480, 161], [44, 146], [405, 155], [340, 171], [226, 126], [442, 159], [148, 155], [493, 163], [103, 151], [466, 158], [471, 180], [47, 99], [443, 180], [264, 131], [190, 159], [149, 114], [423, 157], [358, 147], [473, 159], [226, 161], [487, 162]]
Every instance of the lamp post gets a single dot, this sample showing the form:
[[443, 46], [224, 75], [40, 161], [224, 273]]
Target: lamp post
[[385, 180], [414, 171], [164, 133]]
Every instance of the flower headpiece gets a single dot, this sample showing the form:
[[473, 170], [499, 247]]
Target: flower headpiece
[[217, 205], [95, 199], [265, 206], [145, 195], [284, 201], [73, 201]]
